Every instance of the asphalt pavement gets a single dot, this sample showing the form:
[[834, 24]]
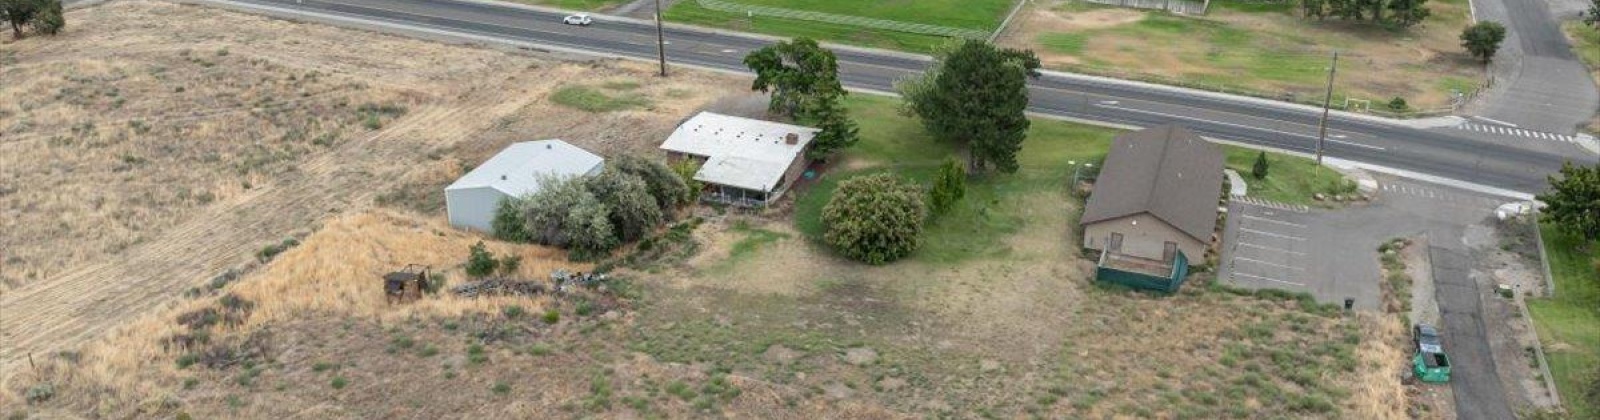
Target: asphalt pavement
[[1259, 122], [1539, 82]]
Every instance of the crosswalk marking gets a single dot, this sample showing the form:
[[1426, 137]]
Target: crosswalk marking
[[1440, 195], [1271, 204], [1518, 132]]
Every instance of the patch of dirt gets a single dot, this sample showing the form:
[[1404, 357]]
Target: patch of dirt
[[226, 132], [1512, 339]]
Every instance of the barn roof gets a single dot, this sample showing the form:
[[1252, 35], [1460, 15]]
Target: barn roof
[[1167, 171], [516, 171], [741, 152]]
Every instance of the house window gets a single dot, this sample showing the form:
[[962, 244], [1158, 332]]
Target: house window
[[1169, 252], [1115, 243]]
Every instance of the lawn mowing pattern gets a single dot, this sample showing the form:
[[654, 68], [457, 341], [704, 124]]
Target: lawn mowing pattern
[[1569, 323], [982, 15], [612, 98]]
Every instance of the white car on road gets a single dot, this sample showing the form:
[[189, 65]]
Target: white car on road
[[580, 19]]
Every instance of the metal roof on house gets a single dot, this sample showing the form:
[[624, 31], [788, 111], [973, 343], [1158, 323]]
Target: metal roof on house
[[517, 170], [1167, 171], [741, 152]]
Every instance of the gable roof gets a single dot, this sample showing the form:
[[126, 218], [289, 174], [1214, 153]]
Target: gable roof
[[1167, 171], [741, 152], [516, 170]]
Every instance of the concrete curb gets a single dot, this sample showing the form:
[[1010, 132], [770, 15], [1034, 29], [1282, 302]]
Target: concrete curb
[[1538, 353], [1544, 258]]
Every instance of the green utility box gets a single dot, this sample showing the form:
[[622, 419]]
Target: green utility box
[[1431, 367]]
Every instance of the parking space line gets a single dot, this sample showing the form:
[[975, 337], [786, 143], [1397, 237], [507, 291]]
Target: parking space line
[[1266, 248], [1236, 273], [1272, 220], [1259, 232], [1290, 267]]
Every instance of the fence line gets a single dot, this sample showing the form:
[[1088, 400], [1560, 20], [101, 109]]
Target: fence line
[[890, 25]]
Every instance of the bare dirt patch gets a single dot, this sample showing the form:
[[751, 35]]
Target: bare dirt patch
[[153, 146]]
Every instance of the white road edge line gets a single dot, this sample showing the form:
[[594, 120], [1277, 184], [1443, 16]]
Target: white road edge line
[[1267, 248], [1236, 273], [1290, 267], [1272, 220], [1260, 232], [1286, 133]]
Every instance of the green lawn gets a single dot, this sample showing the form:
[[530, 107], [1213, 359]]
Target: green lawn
[[975, 14], [1290, 179], [1569, 323], [998, 206], [1587, 43]]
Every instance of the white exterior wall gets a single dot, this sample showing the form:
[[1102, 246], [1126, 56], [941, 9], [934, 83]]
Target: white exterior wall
[[473, 208]]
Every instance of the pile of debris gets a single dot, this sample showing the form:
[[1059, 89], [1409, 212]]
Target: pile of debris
[[561, 281], [498, 287]]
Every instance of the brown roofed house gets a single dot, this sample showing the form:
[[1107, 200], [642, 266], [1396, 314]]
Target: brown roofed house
[[1156, 195]]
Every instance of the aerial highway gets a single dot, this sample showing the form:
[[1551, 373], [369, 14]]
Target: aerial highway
[[1399, 147]]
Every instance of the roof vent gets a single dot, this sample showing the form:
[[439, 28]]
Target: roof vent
[[502, 177], [791, 139], [548, 146]]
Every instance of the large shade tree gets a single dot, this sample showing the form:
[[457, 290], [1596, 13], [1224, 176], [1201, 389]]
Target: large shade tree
[[1573, 202], [976, 94], [1483, 39], [798, 73]]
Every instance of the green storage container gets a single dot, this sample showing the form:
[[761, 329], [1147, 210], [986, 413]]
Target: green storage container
[[1431, 367]]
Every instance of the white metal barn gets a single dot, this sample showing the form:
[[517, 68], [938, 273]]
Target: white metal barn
[[514, 172]]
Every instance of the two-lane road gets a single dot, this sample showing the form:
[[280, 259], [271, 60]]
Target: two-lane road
[[1372, 141]]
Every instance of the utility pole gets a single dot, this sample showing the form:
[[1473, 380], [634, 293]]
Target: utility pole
[[661, 41], [1322, 128]]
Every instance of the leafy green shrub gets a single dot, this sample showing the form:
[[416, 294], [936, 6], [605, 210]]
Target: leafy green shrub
[[949, 186], [1259, 169], [480, 262], [666, 184], [565, 214], [874, 218], [508, 223], [1398, 104], [513, 311], [634, 212], [41, 392], [552, 316], [501, 388], [339, 382]]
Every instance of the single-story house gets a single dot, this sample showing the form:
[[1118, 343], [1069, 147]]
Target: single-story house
[[514, 172], [743, 161], [1156, 196]]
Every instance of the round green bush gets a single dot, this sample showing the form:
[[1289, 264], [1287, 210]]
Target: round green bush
[[875, 219]]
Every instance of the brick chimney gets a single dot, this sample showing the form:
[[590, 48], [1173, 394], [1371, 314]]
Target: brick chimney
[[791, 139]]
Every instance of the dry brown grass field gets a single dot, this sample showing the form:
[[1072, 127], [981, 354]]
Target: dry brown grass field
[[153, 146], [1257, 47], [742, 316]]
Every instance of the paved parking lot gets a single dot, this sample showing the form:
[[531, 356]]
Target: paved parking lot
[[1296, 249]]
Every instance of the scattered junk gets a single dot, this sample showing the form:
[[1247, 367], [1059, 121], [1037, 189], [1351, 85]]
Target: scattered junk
[[561, 281], [406, 284], [498, 287]]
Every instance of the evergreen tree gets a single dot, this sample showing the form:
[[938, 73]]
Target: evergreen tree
[[976, 95], [1259, 170]]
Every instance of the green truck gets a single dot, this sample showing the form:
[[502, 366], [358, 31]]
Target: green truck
[[1429, 363]]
